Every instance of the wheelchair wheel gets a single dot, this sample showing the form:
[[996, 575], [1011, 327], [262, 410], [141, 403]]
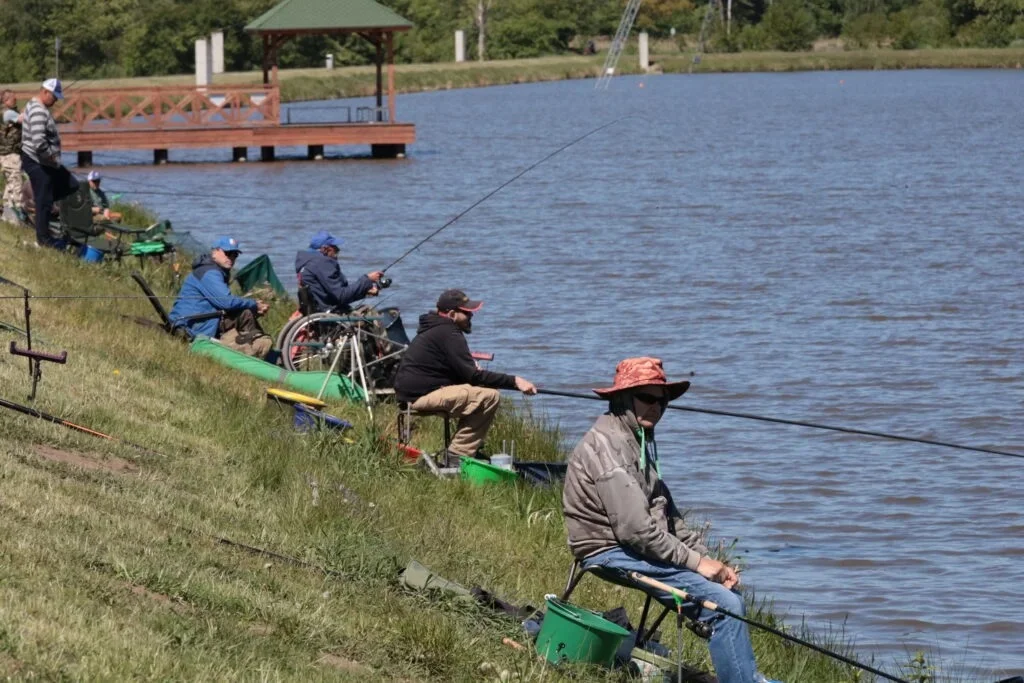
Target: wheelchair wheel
[[282, 336], [311, 342]]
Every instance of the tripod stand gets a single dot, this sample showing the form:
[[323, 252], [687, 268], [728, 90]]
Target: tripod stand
[[351, 338]]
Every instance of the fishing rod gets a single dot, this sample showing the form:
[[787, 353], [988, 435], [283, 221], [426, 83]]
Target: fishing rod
[[500, 188], [714, 607], [32, 412], [798, 423]]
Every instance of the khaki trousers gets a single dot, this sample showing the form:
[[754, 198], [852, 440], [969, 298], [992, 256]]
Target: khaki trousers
[[11, 165], [243, 333], [475, 408]]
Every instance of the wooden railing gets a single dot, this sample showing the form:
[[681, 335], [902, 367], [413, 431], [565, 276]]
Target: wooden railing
[[159, 108]]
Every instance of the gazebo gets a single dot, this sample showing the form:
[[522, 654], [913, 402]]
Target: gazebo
[[366, 18]]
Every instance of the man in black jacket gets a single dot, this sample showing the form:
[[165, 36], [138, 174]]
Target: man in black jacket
[[438, 374]]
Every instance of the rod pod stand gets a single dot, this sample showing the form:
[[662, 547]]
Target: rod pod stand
[[35, 359]]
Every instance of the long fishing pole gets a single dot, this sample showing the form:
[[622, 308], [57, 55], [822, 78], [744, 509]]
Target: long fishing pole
[[502, 187], [32, 412], [714, 607], [798, 423]]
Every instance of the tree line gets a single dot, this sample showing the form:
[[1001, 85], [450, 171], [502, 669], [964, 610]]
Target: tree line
[[117, 38]]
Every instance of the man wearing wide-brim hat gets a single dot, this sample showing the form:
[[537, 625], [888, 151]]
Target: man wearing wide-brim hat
[[621, 516]]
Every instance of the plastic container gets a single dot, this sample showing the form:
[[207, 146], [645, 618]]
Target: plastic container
[[574, 634], [502, 460], [483, 473], [91, 254]]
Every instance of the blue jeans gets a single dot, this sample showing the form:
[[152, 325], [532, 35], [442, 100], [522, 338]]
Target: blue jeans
[[731, 651]]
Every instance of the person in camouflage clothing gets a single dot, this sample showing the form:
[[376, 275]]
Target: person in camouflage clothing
[[10, 156]]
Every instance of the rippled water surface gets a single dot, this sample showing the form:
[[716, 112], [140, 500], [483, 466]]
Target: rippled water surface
[[842, 248]]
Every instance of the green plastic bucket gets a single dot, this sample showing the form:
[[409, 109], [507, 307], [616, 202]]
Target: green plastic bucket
[[574, 634], [483, 473]]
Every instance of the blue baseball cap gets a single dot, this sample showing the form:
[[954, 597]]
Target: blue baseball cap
[[324, 239], [227, 244], [54, 86]]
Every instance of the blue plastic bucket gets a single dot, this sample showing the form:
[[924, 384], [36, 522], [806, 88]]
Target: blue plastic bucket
[[91, 254]]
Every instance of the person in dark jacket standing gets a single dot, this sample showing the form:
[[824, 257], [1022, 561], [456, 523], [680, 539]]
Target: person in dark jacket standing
[[318, 269], [40, 157], [438, 374], [206, 291]]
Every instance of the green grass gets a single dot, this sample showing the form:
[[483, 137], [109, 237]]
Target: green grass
[[110, 566], [358, 81]]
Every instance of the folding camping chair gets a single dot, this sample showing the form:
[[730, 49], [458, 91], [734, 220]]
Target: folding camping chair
[[78, 227]]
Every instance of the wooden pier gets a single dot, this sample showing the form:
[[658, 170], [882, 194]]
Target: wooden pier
[[162, 119]]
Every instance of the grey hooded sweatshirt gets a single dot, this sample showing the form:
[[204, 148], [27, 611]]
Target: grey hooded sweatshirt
[[610, 502]]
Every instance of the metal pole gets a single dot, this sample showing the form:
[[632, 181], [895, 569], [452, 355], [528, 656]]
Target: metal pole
[[334, 364], [56, 52]]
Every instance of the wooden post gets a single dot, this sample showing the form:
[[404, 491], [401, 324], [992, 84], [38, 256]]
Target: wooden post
[[380, 77], [266, 59], [391, 77]]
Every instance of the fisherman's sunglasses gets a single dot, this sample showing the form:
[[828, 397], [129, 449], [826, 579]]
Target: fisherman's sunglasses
[[651, 399]]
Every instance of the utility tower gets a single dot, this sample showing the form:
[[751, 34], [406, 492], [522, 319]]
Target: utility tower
[[618, 43]]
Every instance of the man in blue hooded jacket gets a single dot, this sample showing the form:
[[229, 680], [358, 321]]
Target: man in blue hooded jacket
[[318, 269], [206, 291]]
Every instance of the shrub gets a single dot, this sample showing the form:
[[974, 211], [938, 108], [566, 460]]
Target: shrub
[[789, 26], [866, 30]]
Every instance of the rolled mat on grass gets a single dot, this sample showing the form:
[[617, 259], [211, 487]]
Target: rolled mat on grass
[[306, 382]]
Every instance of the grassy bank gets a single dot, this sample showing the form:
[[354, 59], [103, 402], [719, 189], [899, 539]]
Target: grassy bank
[[309, 84], [112, 568]]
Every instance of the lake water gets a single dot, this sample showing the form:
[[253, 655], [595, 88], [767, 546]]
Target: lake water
[[835, 247]]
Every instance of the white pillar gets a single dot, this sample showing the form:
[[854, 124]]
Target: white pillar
[[645, 61], [329, 61], [460, 46], [217, 48], [203, 63]]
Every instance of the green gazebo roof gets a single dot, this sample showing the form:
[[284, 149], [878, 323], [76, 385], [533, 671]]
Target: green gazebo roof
[[327, 16]]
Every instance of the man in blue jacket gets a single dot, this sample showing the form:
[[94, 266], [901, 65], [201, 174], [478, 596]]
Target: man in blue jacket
[[318, 269], [206, 291]]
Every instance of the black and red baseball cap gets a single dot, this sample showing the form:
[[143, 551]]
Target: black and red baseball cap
[[456, 299]]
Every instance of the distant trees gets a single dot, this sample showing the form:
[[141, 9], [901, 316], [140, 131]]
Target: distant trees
[[108, 38]]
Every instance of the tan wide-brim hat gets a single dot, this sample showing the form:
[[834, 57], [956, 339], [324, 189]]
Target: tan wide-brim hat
[[643, 372]]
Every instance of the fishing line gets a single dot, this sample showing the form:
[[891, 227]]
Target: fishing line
[[709, 605], [798, 423], [173, 194], [501, 187]]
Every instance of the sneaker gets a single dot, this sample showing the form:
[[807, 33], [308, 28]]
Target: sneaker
[[9, 215], [760, 678]]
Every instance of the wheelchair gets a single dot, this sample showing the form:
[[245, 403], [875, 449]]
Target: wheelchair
[[365, 345]]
